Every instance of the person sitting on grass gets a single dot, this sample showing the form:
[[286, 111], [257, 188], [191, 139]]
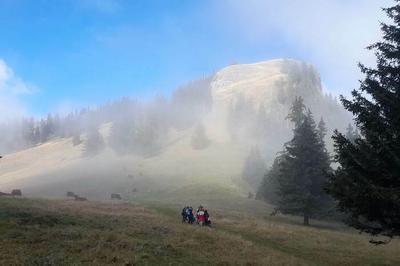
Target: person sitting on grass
[[184, 214], [207, 218], [200, 216], [190, 215]]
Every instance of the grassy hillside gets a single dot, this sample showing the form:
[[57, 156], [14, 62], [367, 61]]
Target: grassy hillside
[[57, 232], [51, 169]]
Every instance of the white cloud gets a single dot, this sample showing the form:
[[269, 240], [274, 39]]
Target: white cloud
[[332, 34], [11, 83], [12, 88]]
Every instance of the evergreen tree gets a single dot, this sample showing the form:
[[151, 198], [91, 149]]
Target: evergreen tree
[[94, 142], [254, 169], [44, 134], [57, 126], [303, 168], [322, 130], [351, 133], [199, 138], [241, 117], [263, 125], [36, 135], [367, 183], [268, 189], [49, 124], [28, 132], [297, 111], [122, 135], [76, 140]]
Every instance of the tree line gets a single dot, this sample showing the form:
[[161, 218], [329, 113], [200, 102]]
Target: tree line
[[137, 127]]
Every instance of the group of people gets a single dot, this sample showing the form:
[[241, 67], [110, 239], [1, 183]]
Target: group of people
[[201, 216]]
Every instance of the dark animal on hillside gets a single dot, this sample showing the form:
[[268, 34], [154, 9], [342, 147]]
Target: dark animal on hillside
[[70, 194], [16, 192], [274, 212], [4, 194], [380, 242], [116, 196], [77, 198]]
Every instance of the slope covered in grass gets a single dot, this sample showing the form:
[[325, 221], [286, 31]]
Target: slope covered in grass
[[57, 232], [52, 169]]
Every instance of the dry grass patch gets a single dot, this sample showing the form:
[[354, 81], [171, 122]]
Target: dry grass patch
[[58, 232]]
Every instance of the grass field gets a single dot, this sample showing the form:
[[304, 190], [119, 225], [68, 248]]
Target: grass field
[[63, 232]]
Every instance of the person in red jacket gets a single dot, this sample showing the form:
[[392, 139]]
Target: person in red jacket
[[200, 215]]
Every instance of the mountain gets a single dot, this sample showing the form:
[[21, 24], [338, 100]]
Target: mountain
[[239, 108], [267, 83], [263, 92]]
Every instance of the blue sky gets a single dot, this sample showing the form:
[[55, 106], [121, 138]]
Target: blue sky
[[59, 55]]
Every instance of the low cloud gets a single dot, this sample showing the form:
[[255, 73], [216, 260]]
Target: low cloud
[[12, 89]]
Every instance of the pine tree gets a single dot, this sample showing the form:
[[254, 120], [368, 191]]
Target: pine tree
[[94, 142], [322, 130], [367, 183], [44, 134], [254, 168], [28, 131], [303, 168], [297, 111], [352, 133], [122, 135], [76, 139], [268, 189], [241, 117], [261, 124], [50, 126], [199, 138]]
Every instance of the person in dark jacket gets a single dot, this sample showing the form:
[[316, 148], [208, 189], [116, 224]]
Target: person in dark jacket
[[207, 221], [184, 215], [190, 215]]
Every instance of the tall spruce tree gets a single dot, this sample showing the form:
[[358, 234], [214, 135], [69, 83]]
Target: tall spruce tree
[[94, 141], [322, 130], [268, 189], [199, 138], [254, 168], [297, 112], [367, 183], [303, 168], [352, 133]]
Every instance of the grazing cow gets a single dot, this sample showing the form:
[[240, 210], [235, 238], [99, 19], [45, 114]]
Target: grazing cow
[[77, 198], [71, 194], [16, 192], [116, 196]]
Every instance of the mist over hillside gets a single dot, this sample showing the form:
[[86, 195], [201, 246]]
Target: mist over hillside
[[200, 135]]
